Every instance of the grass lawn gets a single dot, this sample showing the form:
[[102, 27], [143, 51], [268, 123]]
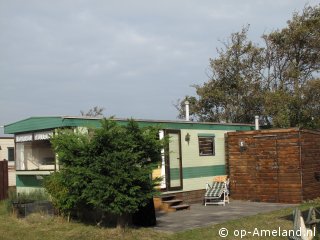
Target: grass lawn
[[41, 227]]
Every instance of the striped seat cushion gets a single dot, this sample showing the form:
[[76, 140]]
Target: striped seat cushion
[[216, 190]]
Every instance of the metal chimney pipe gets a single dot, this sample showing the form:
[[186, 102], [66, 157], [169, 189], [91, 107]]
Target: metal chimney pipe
[[256, 122], [187, 110]]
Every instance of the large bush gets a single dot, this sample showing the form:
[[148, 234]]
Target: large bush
[[107, 168]]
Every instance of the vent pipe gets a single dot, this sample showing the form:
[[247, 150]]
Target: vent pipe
[[187, 110], [256, 122]]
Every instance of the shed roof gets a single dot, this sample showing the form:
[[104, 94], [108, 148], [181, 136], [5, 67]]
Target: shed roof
[[273, 131], [42, 123]]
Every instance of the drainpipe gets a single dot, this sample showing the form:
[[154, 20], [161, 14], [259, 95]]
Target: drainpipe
[[256, 122], [187, 110]]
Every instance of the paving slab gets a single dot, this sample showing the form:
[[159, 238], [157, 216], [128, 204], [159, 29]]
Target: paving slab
[[200, 215]]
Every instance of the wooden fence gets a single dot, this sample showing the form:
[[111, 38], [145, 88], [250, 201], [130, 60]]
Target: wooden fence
[[3, 180]]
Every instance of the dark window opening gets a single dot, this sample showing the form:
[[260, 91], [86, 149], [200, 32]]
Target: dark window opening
[[206, 146], [10, 154]]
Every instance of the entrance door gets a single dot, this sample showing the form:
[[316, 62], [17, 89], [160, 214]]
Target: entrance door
[[267, 183], [173, 161]]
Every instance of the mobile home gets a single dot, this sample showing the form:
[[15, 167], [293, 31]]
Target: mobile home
[[196, 151]]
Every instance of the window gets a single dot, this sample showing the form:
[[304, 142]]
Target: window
[[36, 155], [206, 146], [10, 154]]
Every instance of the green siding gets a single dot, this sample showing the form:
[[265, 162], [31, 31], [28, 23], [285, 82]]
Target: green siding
[[42, 123], [207, 171], [28, 181], [197, 172], [174, 174], [81, 122]]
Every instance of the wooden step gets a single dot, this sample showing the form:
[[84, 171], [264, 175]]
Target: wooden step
[[168, 204], [158, 200], [172, 202], [179, 207], [166, 197]]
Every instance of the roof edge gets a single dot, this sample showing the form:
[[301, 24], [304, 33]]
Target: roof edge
[[159, 121], [263, 131], [50, 122]]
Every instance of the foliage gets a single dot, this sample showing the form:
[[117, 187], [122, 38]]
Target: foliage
[[122, 167], [62, 193], [278, 81], [93, 112], [24, 197], [66, 186], [311, 109], [108, 169], [38, 226]]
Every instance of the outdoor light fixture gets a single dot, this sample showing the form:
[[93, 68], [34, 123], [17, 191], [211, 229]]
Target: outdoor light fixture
[[187, 138], [0, 148], [242, 145]]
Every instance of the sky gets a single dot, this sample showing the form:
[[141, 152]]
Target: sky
[[134, 58]]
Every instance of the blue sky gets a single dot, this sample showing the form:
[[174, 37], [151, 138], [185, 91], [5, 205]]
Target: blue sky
[[134, 58]]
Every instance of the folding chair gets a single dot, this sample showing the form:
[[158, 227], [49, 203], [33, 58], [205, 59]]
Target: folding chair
[[301, 232], [217, 193]]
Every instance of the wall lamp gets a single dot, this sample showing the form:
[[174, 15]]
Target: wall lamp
[[187, 138], [242, 145]]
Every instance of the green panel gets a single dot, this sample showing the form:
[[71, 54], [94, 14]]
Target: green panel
[[204, 171], [174, 174], [206, 135], [197, 172], [81, 122], [28, 181], [33, 124]]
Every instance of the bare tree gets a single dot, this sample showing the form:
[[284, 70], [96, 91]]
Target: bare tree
[[93, 112]]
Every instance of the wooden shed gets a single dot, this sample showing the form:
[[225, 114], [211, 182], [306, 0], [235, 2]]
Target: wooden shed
[[278, 165]]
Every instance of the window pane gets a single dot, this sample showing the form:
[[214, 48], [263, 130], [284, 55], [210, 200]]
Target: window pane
[[10, 154], [42, 152], [36, 155], [206, 146]]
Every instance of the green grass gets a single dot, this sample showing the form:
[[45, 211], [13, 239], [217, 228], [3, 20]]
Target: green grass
[[27, 197], [38, 226]]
